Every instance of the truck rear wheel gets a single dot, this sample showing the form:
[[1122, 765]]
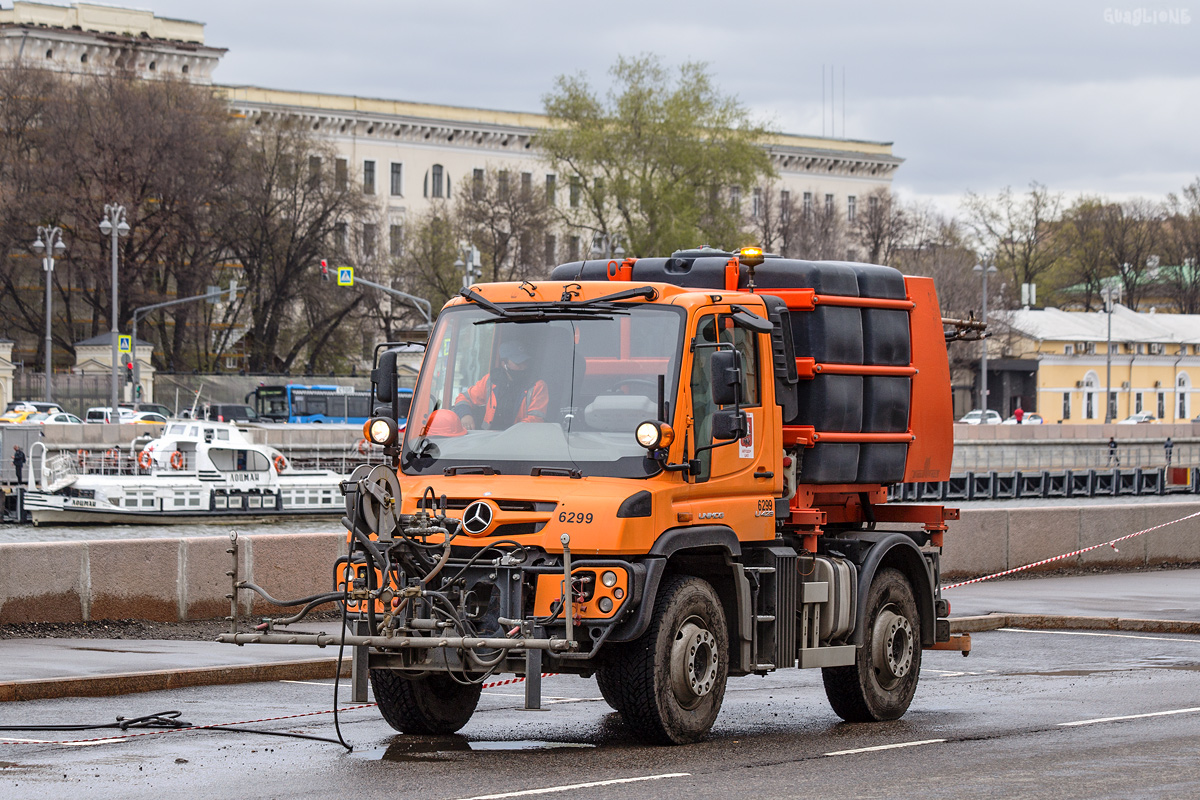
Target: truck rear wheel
[[669, 686], [882, 681], [435, 704]]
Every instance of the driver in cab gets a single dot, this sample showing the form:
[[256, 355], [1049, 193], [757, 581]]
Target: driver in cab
[[507, 395]]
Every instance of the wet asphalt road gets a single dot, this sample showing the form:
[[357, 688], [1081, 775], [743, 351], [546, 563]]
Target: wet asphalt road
[[993, 725]]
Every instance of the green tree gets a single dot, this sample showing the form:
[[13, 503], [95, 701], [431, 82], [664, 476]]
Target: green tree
[[659, 163]]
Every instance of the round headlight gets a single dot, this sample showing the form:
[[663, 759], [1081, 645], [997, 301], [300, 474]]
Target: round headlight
[[609, 578], [605, 604], [652, 434], [380, 430]]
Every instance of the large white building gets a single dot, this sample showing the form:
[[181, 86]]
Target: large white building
[[404, 153]]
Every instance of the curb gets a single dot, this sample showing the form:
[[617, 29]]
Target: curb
[[991, 622], [159, 680]]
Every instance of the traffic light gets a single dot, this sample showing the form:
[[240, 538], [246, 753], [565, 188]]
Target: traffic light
[[324, 270], [129, 372]]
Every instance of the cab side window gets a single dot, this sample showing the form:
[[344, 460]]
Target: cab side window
[[703, 407]]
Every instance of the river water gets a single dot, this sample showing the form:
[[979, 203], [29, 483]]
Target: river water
[[10, 534]]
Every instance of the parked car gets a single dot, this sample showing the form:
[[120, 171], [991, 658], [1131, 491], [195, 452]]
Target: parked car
[[104, 413], [229, 412], [147, 418], [59, 418], [17, 416], [37, 405], [1138, 418], [156, 408], [980, 417], [1030, 418]]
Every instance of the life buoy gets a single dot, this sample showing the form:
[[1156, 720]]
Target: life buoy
[[364, 447], [145, 459], [82, 455], [177, 460], [280, 463]]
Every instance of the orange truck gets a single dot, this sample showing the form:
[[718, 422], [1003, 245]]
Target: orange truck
[[662, 472]]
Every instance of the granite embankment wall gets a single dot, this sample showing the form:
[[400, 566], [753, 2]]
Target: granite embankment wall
[[174, 579]]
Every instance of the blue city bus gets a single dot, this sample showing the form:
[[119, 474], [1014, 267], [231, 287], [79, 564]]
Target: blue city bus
[[295, 403]]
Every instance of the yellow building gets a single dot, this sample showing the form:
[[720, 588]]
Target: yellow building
[[1057, 363]]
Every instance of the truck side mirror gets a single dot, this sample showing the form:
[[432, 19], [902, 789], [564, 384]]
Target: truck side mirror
[[726, 377], [384, 377], [730, 423]]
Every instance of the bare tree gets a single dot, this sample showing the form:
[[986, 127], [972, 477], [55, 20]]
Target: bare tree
[[504, 214], [1019, 231], [1182, 249], [1131, 233], [881, 228], [287, 209]]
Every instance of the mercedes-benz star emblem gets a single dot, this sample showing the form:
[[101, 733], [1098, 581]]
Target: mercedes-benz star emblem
[[477, 518]]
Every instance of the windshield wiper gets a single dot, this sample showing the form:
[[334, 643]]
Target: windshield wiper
[[479, 469], [569, 472]]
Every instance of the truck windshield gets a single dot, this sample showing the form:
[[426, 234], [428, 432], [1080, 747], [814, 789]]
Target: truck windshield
[[554, 394]]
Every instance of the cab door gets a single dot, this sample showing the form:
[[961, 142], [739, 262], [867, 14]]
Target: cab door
[[735, 483]]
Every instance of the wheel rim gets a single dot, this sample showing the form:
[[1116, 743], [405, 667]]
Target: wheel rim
[[694, 661], [893, 645]]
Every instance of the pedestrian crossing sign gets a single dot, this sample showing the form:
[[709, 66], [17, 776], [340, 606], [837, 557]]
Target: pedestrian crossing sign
[[345, 276], [125, 344]]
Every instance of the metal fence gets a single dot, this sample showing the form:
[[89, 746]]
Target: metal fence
[[1000, 457], [75, 393]]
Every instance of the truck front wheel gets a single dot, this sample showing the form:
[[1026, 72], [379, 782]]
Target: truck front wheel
[[668, 685], [881, 683], [433, 705]]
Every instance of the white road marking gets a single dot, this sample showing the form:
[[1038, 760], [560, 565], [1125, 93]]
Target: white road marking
[[896, 746], [572, 786], [312, 683], [1090, 633], [1130, 716], [547, 699]]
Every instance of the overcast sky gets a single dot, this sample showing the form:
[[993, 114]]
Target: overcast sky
[[976, 96]]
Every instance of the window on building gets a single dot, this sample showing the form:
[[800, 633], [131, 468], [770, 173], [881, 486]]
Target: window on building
[[829, 205], [551, 186], [1182, 384], [598, 191], [1162, 404], [314, 169], [851, 208], [872, 205], [341, 174], [477, 184], [1137, 402], [573, 249], [1069, 349], [526, 185], [756, 202], [1066, 409], [437, 177], [576, 190], [735, 199], [397, 179], [370, 235], [785, 205], [550, 256], [1112, 405], [368, 177], [502, 183], [341, 236], [807, 205], [396, 240]]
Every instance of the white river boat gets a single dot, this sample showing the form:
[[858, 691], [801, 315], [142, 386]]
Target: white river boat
[[196, 472]]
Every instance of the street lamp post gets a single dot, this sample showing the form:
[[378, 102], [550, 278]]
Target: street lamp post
[[983, 390], [470, 265], [1108, 293], [50, 242], [114, 225]]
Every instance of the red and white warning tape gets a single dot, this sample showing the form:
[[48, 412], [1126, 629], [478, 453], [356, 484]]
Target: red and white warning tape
[[1112, 543], [137, 733]]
